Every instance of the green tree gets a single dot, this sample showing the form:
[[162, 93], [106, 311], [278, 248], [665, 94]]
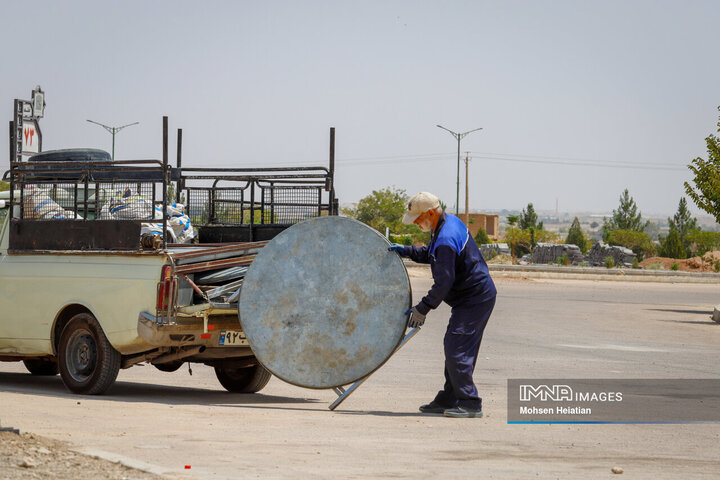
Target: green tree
[[518, 240], [683, 221], [513, 220], [706, 190], [528, 218], [383, 208], [702, 242], [4, 186], [671, 246], [543, 236], [576, 236], [639, 242], [171, 195], [626, 217], [481, 237]]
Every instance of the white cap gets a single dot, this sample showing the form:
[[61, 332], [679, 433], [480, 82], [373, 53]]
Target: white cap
[[419, 204]]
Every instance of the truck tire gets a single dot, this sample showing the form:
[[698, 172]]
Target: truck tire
[[41, 366], [88, 363], [72, 155], [243, 380]]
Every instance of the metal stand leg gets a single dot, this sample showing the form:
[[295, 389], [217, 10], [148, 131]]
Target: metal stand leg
[[343, 393]]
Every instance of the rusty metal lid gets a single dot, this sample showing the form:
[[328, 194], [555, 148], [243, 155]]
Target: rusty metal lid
[[323, 303]]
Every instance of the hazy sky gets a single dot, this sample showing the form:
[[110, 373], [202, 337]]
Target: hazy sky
[[552, 84]]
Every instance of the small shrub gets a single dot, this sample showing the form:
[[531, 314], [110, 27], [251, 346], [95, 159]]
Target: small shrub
[[609, 262], [716, 265], [635, 263], [564, 260], [674, 267], [654, 266], [583, 264], [481, 237]]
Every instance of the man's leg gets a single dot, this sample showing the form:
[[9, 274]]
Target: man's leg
[[446, 397], [462, 342]]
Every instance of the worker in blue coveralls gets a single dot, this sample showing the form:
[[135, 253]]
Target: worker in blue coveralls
[[462, 280]]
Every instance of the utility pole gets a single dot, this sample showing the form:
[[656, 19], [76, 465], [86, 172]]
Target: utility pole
[[113, 131], [467, 191], [458, 137]]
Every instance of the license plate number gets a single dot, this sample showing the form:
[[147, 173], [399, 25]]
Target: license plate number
[[232, 337]]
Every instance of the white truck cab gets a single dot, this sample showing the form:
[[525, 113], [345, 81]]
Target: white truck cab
[[91, 283]]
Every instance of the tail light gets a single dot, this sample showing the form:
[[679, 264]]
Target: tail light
[[166, 288]]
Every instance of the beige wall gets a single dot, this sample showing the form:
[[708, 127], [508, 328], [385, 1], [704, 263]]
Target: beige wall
[[490, 222]]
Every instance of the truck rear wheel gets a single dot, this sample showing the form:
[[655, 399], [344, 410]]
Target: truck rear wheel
[[243, 380], [41, 366], [88, 363]]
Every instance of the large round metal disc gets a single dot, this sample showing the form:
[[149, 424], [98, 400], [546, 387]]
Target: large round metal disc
[[323, 304]]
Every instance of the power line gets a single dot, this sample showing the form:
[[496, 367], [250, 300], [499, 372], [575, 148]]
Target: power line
[[516, 158], [410, 156], [637, 166], [498, 157], [575, 159]]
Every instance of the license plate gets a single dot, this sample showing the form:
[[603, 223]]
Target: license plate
[[232, 337]]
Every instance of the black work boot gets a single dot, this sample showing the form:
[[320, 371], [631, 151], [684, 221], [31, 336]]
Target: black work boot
[[463, 412], [433, 407]]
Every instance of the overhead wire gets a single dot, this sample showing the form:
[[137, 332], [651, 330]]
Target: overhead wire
[[501, 157], [498, 157]]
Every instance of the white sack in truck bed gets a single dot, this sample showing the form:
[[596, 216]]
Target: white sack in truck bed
[[37, 204], [128, 206]]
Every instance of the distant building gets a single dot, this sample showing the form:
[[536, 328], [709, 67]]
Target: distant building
[[489, 221]]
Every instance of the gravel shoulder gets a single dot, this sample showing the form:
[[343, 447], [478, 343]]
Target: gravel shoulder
[[27, 456]]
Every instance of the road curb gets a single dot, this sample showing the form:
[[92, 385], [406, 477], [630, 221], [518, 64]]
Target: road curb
[[126, 461], [601, 277], [607, 274], [596, 273]]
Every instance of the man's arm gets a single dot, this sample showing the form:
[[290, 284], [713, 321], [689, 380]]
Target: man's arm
[[444, 276], [417, 254]]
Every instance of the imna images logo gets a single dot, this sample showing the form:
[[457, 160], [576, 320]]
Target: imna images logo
[[555, 393]]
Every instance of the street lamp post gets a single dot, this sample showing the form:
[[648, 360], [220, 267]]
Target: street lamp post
[[458, 137], [113, 131]]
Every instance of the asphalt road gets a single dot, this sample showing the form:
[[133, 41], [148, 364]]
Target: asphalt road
[[540, 329]]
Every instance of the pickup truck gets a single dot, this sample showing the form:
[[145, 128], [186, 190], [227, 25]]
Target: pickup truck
[[86, 296]]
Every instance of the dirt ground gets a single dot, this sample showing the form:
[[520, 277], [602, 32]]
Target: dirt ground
[[501, 259], [30, 457], [539, 329], [710, 262]]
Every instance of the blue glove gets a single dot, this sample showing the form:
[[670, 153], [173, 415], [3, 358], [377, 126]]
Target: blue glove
[[400, 249], [417, 319]]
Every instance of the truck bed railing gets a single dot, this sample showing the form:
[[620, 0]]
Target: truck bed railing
[[61, 202], [68, 205], [241, 204]]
